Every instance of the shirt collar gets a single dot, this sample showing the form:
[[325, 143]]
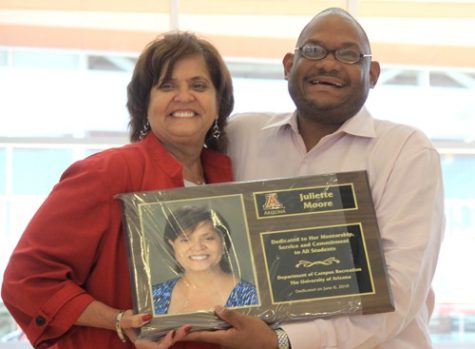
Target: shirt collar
[[282, 120], [361, 124]]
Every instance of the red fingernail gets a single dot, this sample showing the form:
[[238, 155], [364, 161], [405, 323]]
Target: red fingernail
[[147, 317], [187, 329], [173, 334]]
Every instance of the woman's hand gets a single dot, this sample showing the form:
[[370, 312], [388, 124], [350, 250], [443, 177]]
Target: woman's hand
[[130, 322]]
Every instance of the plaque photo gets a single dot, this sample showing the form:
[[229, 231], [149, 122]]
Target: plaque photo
[[280, 249]]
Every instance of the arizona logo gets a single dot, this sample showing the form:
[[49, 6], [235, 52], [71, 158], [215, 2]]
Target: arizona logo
[[272, 202]]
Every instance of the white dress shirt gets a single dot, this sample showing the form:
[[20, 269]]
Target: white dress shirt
[[406, 183]]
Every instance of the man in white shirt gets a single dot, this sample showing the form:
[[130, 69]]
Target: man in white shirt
[[329, 77]]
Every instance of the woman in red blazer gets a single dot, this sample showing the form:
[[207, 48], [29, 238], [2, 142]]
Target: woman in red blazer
[[67, 281]]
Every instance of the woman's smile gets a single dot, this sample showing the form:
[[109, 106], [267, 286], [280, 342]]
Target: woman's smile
[[183, 114], [200, 257]]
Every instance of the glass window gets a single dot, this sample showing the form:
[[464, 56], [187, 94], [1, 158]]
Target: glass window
[[3, 171], [88, 152], [406, 77], [454, 317], [3, 228], [435, 96], [3, 57], [36, 170], [442, 79], [109, 62], [44, 59], [459, 176], [62, 103]]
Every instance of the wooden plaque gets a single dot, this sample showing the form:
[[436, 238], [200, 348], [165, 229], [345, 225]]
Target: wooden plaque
[[310, 245]]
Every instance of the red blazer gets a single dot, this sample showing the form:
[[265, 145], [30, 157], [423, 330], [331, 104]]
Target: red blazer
[[73, 251]]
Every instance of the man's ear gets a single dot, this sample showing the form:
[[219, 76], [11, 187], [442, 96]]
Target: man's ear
[[287, 61], [374, 71]]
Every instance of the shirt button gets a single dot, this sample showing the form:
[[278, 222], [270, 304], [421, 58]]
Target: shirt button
[[40, 321]]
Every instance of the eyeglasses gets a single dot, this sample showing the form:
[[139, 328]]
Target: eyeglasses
[[316, 52]]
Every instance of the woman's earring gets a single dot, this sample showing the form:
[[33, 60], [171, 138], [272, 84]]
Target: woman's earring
[[145, 130], [216, 132]]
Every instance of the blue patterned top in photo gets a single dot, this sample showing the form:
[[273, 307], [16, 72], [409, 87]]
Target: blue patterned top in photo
[[243, 294]]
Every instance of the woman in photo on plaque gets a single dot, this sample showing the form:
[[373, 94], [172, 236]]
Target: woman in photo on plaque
[[198, 240], [67, 282]]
